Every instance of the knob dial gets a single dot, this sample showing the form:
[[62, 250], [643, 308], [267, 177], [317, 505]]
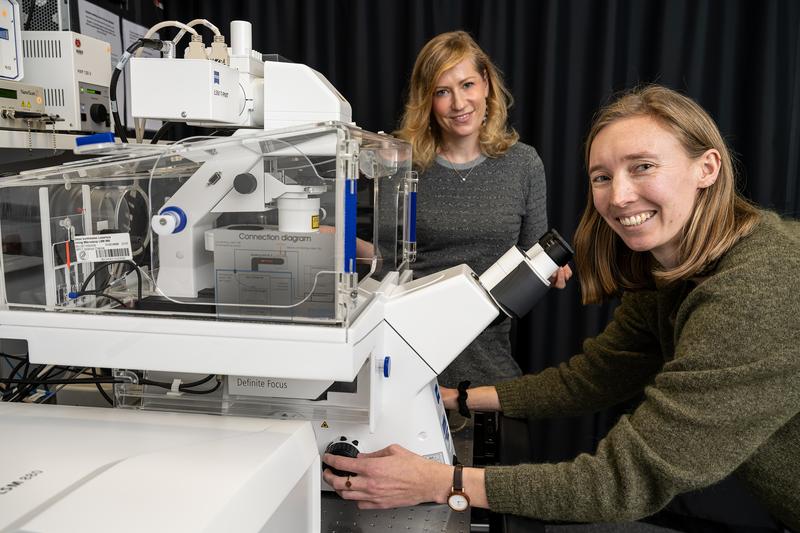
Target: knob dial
[[99, 113], [245, 183], [345, 448]]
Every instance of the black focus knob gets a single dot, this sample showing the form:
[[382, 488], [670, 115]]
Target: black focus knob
[[345, 448], [245, 183], [99, 113]]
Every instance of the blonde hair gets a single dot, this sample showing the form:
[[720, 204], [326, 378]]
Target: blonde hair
[[417, 125], [721, 216]]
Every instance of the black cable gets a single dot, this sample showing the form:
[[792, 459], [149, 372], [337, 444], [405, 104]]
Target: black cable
[[26, 385], [134, 268], [27, 365], [153, 44], [65, 381], [24, 358], [185, 387], [101, 389], [15, 357], [161, 131], [93, 273], [28, 21], [207, 391], [167, 385], [23, 392], [9, 391], [100, 293]]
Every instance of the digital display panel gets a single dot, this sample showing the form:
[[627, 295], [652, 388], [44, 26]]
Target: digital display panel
[[8, 93]]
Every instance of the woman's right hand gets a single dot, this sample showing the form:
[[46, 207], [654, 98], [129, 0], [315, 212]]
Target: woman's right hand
[[561, 277]]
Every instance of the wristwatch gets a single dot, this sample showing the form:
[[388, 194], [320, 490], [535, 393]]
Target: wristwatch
[[458, 499]]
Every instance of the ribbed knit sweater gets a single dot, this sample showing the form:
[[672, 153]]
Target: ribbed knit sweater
[[501, 202], [718, 361]]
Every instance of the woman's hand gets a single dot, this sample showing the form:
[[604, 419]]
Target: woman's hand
[[561, 277], [392, 477]]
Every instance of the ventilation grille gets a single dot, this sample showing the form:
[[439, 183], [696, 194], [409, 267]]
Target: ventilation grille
[[43, 48], [54, 97], [46, 15]]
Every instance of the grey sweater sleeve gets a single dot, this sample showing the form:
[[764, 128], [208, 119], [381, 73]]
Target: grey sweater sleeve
[[534, 223]]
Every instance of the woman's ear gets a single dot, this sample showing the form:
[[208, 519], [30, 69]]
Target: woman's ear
[[710, 164]]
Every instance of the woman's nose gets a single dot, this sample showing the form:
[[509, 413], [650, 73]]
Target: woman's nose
[[622, 191], [458, 100]]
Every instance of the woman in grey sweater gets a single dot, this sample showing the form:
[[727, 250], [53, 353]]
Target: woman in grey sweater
[[481, 191], [708, 330]]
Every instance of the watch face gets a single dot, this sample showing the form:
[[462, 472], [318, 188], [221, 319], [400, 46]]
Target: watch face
[[458, 502]]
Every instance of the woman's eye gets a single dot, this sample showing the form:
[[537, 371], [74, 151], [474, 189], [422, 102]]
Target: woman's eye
[[469, 84], [600, 178], [643, 167]]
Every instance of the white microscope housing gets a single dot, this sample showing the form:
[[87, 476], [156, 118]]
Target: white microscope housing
[[171, 265]]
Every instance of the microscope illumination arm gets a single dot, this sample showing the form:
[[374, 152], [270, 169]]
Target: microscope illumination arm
[[458, 302]]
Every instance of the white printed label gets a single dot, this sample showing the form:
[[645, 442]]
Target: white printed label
[[438, 457], [276, 387], [105, 247]]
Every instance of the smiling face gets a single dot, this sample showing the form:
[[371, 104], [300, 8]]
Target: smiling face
[[644, 184], [459, 102]]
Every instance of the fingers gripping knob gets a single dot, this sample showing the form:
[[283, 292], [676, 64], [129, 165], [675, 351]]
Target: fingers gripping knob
[[345, 448]]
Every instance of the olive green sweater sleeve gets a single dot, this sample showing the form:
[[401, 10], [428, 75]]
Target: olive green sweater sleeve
[[613, 367], [731, 390]]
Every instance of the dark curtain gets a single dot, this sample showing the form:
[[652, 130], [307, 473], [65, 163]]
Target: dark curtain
[[562, 59]]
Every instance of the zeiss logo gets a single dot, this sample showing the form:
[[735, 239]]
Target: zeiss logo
[[216, 77]]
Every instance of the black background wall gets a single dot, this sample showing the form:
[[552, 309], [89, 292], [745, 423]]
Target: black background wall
[[562, 59]]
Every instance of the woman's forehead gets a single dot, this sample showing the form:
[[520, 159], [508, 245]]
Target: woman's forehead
[[633, 135], [462, 68]]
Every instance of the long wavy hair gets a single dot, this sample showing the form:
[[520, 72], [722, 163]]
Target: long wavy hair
[[419, 127], [721, 216]]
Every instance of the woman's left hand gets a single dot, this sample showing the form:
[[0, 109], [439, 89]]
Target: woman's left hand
[[561, 277], [392, 477]]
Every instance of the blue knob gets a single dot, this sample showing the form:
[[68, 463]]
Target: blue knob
[[179, 213], [387, 366]]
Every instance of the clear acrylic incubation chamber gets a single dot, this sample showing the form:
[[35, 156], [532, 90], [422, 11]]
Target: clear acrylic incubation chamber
[[258, 228], [262, 226]]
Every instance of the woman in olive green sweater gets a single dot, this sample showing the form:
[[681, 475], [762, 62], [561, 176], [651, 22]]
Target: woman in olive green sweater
[[708, 330]]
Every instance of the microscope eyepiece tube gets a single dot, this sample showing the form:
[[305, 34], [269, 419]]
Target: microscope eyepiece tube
[[518, 280], [556, 247]]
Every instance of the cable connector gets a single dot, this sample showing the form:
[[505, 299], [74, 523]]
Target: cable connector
[[168, 50], [152, 44], [219, 51], [196, 49]]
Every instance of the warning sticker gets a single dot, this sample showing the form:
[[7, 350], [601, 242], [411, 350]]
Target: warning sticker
[[104, 247], [314, 221]]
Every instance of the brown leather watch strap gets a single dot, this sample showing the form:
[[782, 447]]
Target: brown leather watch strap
[[458, 480]]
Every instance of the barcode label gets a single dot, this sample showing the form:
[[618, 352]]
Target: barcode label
[[113, 253], [103, 247]]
